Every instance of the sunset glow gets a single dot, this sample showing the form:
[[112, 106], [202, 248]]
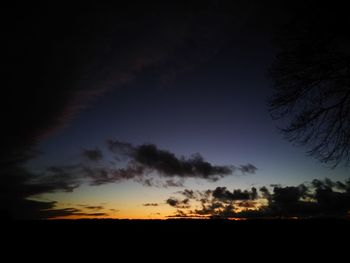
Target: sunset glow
[[231, 110]]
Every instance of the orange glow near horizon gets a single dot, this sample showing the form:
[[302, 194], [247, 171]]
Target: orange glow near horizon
[[147, 213], [112, 216], [125, 212]]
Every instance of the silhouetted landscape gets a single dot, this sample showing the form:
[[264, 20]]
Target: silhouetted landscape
[[322, 230], [176, 118]]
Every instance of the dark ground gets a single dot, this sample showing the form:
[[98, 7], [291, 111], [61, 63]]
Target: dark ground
[[178, 240], [311, 227]]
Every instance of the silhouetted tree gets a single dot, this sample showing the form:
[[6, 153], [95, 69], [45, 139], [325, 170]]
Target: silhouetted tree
[[311, 76]]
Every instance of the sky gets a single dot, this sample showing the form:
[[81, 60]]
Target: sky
[[113, 111]]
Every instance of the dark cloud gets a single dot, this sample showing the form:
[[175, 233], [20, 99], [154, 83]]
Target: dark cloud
[[152, 182], [19, 184], [179, 214], [172, 202], [222, 194], [93, 214], [209, 209], [248, 168], [150, 204], [31, 209], [189, 193], [93, 155], [200, 196], [180, 204], [22, 208], [52, 213], [64, 212], [103, 175], [93, 207], [173, 183], [166, 164], [57, 178]]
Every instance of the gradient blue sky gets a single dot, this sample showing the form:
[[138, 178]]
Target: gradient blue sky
[[216, 108]]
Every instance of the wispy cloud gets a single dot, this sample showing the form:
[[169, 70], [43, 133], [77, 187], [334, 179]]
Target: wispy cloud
[[149, 158], [150, 204]]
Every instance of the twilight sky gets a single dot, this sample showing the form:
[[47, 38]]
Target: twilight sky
[[120, 101]]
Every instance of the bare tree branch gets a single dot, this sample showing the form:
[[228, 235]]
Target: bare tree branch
[[311, 76]]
